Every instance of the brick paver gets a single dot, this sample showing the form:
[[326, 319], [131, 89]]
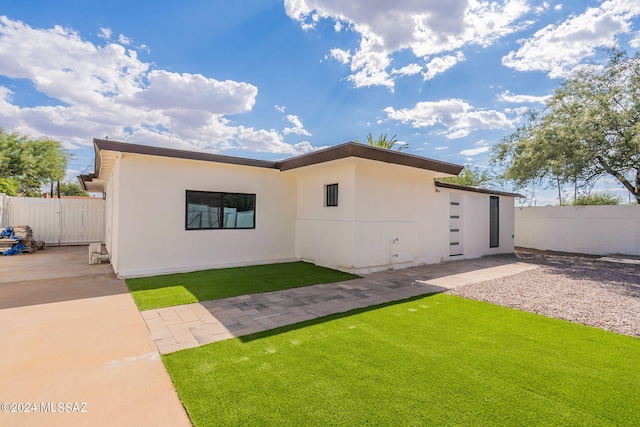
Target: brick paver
[[192, 325]]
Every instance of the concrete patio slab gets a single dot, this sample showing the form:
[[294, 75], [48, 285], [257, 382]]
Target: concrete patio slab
[[621, 259], [72, 335], [192, 325]]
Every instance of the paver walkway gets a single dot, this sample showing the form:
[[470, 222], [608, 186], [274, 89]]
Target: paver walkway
[[192, 325]]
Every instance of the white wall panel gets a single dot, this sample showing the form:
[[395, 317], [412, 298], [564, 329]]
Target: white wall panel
[[150, 234], [595, 230]]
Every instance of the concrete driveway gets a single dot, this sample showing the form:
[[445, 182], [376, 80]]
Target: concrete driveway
[[75, 349]]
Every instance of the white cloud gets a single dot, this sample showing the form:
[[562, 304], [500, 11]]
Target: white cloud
[[481, 148], [459, 117], [106, 90], [541, 8], [340, 55], [297, 128], [441, 64], [520, 112], [558, 49], [635, 42], [427, 28], [166, 90], [369, 64], [251, 139], [408, 70], [507, 96], [105, 33], [280, 108], [122, 39]]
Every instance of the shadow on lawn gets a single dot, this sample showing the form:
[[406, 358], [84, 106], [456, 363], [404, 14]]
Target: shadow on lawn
[[255, 315], [243, 316], [215, 284], [320, 320]]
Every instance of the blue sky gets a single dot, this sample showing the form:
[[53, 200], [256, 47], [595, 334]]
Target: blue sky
[[270, 79]]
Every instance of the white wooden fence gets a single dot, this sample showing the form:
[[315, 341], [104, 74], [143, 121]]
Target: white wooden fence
[[596, 230], [56, 221]]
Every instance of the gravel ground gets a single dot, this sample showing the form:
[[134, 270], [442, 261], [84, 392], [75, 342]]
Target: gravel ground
[[577, 288]]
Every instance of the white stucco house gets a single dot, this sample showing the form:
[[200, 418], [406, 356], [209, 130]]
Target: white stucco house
[[350, 207]]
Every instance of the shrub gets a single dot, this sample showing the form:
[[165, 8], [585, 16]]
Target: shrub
[[597, 199]]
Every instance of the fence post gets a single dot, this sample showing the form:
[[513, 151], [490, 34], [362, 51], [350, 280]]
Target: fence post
[[3, 201], [59, 218]]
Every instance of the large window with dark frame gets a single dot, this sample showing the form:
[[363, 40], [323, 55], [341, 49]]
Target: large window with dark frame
[[207, 210], [331, 195]]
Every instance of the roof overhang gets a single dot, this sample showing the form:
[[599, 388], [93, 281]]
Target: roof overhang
[[124, 147], [476, 189], [90, 182], [107, 152], [364, 151]]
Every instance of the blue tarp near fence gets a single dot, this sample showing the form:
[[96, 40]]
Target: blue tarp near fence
[[17, 247]]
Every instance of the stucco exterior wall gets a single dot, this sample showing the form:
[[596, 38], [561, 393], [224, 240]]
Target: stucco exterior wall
[[112, 214], [400, 221], [595, 230], [325, 234], [507, 226], [388, 216], [475, 224], [151, 236]]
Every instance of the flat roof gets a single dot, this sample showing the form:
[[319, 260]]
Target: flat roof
[[365, 151], [125, 147], [348, 149], [475, 189]]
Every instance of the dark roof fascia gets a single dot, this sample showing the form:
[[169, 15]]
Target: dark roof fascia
[[364, 151], [125, 147], [475, 189], [98, 160], [96, 168], [83, 179], [349, 149]]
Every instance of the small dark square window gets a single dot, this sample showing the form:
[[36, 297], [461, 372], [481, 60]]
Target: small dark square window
[[331, 195]]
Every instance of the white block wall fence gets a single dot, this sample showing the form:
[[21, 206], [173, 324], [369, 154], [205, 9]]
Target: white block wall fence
[[594, 230], [56, 221]]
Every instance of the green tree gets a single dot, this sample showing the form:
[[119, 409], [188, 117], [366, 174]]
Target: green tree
[[8, 187], [72, 189], [590, 128], [384, 142], [597, 199], [31, 163], [471, 176]]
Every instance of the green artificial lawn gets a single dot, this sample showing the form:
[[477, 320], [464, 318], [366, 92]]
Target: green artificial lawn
[[436, 360], [185, 288]]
